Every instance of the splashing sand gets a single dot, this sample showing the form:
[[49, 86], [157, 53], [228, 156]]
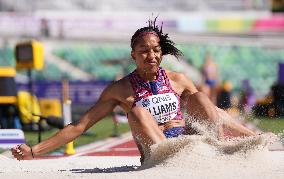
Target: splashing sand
[[185, 145], [195, 156], [202, 157]]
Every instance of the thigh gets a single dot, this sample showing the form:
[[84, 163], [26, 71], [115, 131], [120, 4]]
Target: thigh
[[199, 106], [144, 128]]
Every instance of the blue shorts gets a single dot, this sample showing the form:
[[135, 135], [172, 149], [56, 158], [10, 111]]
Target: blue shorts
[[174, 132]]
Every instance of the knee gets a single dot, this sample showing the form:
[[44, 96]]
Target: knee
[[199, 99], [199, 96], [200, 106]]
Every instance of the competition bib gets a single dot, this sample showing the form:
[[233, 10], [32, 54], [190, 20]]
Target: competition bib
[[163, 107]]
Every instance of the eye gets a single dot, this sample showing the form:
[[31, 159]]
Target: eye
[[144, 51], [157, 49]]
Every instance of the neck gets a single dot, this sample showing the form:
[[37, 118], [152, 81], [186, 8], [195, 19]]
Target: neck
[[147, 76]]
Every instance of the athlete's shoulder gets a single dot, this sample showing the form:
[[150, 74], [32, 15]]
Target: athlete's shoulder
[[122, 82], [120, 85], [117, 88], [175, 76]]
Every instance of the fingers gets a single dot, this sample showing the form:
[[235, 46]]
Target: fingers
[[16, 147], [17, 152], [18, 156]]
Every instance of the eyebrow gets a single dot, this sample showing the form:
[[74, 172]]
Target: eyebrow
[[148, 46]]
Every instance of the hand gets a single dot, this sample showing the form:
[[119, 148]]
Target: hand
[[22, 152]]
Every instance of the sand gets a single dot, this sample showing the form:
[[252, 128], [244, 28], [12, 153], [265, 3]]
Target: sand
[[195, 156]]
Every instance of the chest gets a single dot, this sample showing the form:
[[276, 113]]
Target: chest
[[151, 88], [130, 95]]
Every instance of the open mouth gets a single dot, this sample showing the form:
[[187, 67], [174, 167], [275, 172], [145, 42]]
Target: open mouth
[[152, 63]]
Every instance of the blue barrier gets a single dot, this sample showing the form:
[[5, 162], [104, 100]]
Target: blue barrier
[[80, 92]]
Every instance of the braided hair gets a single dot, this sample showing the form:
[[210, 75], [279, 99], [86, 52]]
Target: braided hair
[[167, 45]]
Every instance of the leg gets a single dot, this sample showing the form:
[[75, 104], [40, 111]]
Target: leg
[[231, 126], [199, 106], [144, 129]]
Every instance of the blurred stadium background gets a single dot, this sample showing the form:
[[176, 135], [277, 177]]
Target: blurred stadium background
[[87, 43]]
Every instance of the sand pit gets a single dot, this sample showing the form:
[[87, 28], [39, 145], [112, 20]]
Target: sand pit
[[72, 167], [183, 157]]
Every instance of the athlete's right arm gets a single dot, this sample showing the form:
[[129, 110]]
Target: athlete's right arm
[[104, 106]]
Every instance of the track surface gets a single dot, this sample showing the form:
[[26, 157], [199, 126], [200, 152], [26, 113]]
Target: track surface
[[121, 146]]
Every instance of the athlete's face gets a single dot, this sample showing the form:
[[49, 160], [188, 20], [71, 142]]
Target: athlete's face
[[147, 54]]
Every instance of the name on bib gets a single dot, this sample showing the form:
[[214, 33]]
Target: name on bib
[[163, 107]]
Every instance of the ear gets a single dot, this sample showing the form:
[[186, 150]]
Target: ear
[[132, 55]]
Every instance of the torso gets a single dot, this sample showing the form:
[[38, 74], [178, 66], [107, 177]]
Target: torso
[[123, 93], [158, 96]]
